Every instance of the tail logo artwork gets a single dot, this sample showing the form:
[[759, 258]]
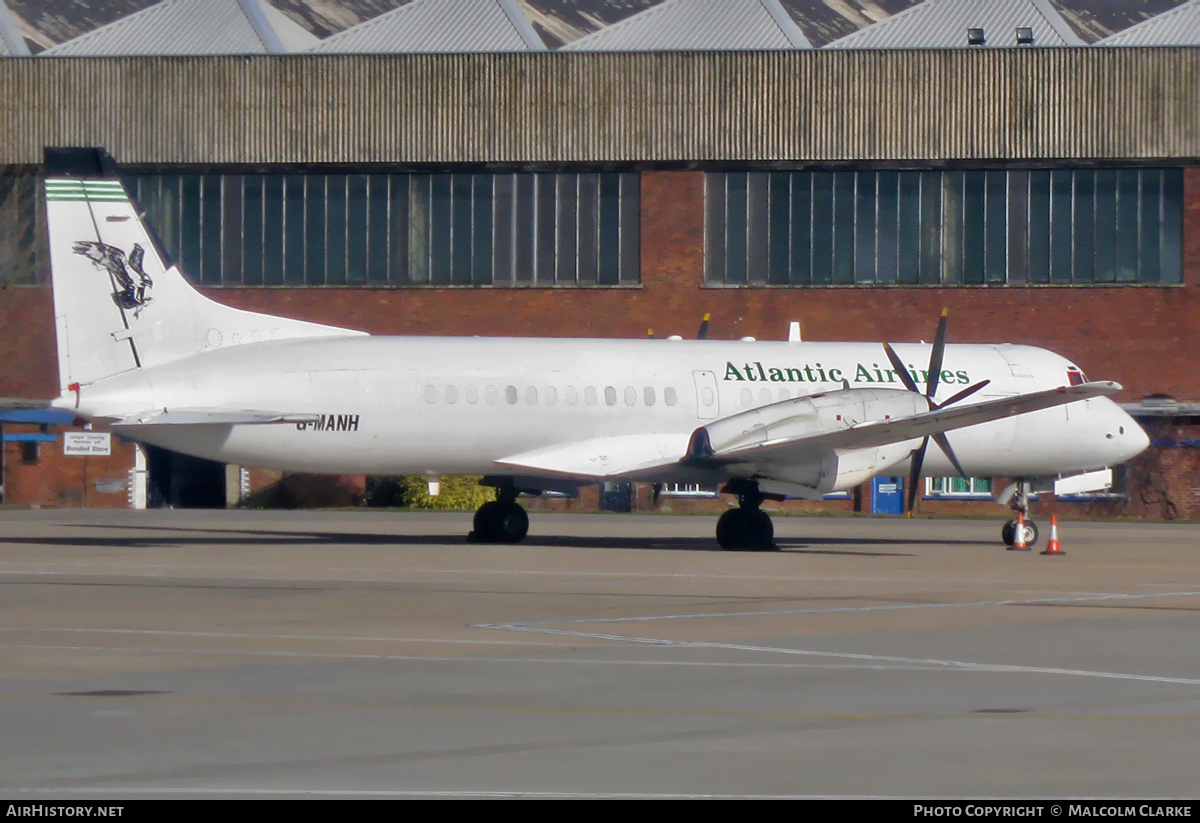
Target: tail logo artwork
[[129, 280]]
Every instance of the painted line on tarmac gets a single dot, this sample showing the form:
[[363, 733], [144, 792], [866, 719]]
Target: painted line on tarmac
[[549, 660], [894, 607], [280, 636], [24, 569], [774, 715], [946, 665]]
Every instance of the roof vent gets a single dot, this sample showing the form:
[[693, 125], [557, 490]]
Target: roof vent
[[975, 37], [1024, 36]]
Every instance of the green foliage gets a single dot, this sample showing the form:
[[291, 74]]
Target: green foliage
[[412, 491]]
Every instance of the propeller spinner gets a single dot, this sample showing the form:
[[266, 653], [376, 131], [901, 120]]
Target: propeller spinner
[[934, 377]]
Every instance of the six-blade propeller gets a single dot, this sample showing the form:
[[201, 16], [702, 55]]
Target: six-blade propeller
[[932, 379]]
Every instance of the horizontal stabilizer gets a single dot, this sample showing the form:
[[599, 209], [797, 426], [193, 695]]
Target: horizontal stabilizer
[[212, 417], [603, 457]]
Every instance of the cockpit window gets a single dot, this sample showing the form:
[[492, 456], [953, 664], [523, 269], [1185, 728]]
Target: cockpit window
[[1076, 377]]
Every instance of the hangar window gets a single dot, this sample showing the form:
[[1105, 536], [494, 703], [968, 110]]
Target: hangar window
[[688, 490], [946, 227], [958, 487], [312, 229], [22, 243]]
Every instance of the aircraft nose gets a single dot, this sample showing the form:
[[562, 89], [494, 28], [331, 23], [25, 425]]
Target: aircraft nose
[[1126, 435], [1139, 441]]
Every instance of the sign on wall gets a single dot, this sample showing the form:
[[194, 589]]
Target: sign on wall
[[87, 444]]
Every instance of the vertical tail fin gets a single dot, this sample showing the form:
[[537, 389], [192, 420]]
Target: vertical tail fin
[[119, 302]]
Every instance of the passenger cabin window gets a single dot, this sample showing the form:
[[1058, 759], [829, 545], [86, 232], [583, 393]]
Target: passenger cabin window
[[630, 395], [472, 394], [551, 395], [649, 396], [669, 396], [531, 395], [589, 395], [492, 395], [451, 394], [610, 395], [510, 395], [571, 395], [431, 394]]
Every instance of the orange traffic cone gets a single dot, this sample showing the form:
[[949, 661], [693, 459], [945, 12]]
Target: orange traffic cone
[[1053, 546], [1019, 538]]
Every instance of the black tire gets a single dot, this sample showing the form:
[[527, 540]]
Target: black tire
[[1009, 533], [729, 530], [746, 530], [511, 524], [484, 525], [759, 531], [1031, 533]]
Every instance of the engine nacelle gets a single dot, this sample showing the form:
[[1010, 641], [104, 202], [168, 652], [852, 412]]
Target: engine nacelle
[[793, 420]]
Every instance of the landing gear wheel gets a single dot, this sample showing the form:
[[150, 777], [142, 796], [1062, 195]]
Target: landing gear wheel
[[1009, 533], [500, 522], [746, 530]]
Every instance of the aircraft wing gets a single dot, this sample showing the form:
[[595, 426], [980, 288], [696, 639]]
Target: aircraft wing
[[607, 458], [875, 433], [211, 417], [603, 457]]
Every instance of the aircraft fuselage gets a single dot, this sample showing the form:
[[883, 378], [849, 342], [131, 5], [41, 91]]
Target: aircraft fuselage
[[454, 405]]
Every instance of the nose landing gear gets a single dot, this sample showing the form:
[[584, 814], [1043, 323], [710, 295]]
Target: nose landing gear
[[747, 528], [1020, 502]]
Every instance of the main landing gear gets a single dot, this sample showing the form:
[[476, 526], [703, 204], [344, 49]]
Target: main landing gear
[[501, 520], [747, 528], [1020, 503]]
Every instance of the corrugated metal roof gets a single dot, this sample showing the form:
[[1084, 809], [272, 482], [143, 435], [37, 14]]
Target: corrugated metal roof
[[191, 27], [436, 26], [12, 43], [689, 25], [1178, 27], [944, 23]]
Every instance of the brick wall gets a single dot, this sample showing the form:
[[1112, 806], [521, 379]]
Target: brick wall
[[1137, 335], [56, 480]]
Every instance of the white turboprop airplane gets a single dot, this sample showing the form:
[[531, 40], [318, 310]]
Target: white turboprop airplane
[[144, 354]]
